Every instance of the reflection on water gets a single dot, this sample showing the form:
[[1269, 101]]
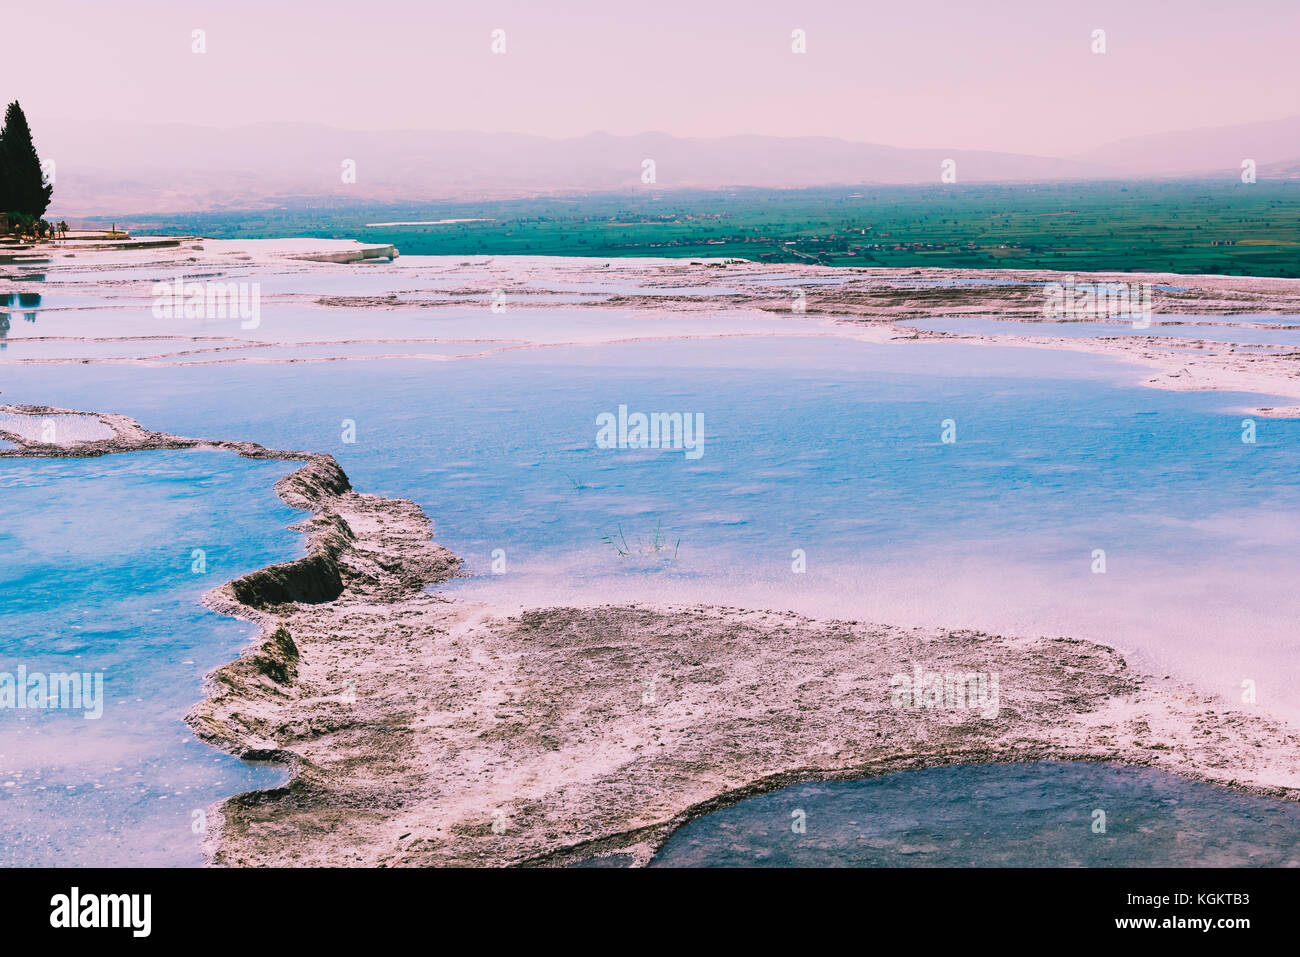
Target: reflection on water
[[24, 300], [1042, 814]]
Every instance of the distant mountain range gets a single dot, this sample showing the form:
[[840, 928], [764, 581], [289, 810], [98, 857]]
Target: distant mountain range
[[1190, 152], [155, 168]]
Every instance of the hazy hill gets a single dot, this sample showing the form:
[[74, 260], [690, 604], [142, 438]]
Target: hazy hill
[[1205, 150], [148, 168]]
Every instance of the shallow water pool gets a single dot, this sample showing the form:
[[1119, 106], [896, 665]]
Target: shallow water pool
[[1040, 814], [105, 562]]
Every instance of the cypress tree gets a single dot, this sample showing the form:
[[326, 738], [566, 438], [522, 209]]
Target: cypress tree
[[22, 184], [6, 185]]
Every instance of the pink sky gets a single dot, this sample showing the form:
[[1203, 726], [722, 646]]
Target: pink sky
[[1016, 75]]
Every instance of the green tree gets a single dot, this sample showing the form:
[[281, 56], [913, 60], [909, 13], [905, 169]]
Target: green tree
[[23, 188], [6, 185]]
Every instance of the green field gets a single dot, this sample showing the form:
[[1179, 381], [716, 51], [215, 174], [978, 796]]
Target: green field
[[1176, 226]]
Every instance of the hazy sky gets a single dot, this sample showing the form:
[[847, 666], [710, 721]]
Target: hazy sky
[[1015, 75]]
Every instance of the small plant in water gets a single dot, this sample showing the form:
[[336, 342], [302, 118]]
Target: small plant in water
[[653, 546]]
